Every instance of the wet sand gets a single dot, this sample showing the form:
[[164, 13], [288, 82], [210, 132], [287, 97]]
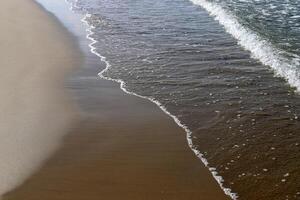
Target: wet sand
[[123, 147]]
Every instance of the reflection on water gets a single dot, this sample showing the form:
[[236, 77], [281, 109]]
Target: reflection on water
[[243, 119]]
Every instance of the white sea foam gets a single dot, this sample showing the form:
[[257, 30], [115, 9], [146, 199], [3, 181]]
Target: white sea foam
[[260, 48], [93, 49]]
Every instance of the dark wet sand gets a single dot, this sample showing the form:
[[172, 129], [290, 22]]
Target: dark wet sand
[[131, 151], [123, 147]]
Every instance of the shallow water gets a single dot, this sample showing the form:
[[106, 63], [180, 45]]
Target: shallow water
[[204, 66]]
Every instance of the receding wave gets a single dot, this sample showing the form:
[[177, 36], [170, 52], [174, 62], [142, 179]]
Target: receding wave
[[93, 49], [213, 171], [260, 48], [227, 102]]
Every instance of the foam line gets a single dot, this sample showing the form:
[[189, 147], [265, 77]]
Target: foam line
[[93, 49], [260, 48]]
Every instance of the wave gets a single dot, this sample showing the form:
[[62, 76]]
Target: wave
[[93, 50], [261, 49]]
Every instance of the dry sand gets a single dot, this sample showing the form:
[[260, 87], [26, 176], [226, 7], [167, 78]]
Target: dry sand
[[35, 113], [122, 147]]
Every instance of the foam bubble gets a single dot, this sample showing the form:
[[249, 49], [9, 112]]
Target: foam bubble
[[260, 49], [93, 49]]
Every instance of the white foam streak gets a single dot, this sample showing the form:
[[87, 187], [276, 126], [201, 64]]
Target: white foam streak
[[260, 48], [93, 49]]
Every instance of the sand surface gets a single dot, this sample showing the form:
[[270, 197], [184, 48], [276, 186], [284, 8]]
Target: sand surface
[[35, 113], [122, 147]]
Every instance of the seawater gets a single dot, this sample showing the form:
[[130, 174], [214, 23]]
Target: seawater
[[226, 71]]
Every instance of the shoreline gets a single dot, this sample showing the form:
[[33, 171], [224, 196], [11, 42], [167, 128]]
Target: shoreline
[[97, 153], [188, 132]]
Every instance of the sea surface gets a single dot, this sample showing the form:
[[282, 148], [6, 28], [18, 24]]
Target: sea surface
[[228, 71]]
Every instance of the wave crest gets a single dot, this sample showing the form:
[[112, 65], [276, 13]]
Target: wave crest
[[286, 67]]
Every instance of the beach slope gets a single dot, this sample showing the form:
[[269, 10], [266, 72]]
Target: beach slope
[[34, 110], [122, 147]]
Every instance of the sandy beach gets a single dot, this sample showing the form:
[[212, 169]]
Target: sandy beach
[[35, 110], [115, 146]]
